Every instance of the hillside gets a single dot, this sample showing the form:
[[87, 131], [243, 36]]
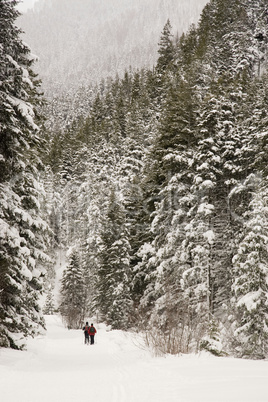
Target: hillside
[[79, 42]]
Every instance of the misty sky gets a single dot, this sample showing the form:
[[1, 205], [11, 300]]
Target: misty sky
[[25, 4]]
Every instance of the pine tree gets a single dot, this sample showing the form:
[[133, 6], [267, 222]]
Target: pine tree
[[49, 307], [165, 50], [250, 265], [22, 229], [73, 293], [197, 256], [113, 293]]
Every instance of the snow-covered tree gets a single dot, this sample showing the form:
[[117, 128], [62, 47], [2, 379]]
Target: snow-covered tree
[[22, 229], [250, 265], [49, 307], [73, 292], [113, 276], [166, 49]]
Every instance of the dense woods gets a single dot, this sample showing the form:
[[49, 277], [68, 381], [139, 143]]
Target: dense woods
[[159, 191]]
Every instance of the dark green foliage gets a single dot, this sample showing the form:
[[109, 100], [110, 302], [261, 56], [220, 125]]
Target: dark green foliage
[[165, 50]]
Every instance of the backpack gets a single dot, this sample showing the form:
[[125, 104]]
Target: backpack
[[92, 330], [86, 330]]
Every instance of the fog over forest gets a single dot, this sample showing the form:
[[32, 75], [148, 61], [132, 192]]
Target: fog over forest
[[80, 42]]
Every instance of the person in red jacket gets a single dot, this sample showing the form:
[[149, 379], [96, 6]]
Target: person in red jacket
[[92, 331]]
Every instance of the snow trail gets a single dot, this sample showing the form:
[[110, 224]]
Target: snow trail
[[59, 367]]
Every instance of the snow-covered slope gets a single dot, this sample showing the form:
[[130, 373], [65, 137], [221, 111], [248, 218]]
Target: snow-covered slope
[[81, 41], [59, 367]]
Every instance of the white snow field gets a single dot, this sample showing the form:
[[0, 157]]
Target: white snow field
[[58, 367]]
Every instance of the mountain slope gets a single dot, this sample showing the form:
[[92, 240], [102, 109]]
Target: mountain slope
[[81, 41]]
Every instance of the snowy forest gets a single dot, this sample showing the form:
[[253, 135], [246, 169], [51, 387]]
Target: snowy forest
[[81, 42], [155, 188]]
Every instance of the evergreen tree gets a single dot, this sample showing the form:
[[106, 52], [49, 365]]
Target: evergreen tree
[[165, 50], [113, 293], [73, 293], [49, 307], [250, 280], [22, 229]]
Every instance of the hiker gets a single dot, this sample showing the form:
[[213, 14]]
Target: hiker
[[92, 331], [86, 332]]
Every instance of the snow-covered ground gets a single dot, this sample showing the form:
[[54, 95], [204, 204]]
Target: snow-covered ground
[[60, 368]]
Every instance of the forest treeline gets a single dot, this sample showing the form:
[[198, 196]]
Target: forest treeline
[[159, 192]]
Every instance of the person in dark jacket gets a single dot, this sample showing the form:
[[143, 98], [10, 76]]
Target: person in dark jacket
[[92, 331], [86, 332]]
